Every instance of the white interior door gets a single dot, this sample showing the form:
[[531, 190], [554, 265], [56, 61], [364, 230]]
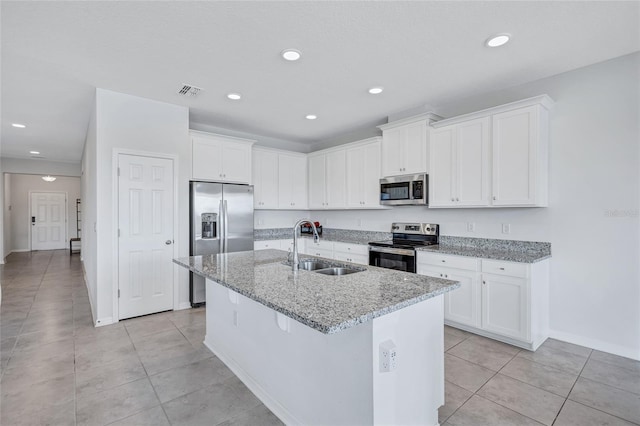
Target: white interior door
[[48, 220], [145, 245]]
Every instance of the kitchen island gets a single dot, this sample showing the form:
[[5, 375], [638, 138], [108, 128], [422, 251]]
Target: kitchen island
[[363, 348]]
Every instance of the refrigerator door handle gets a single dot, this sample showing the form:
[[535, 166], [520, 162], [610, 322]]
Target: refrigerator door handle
[[226, 225], [221, 226]]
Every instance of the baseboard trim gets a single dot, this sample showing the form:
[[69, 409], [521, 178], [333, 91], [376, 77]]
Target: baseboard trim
[[104, 321], [184, 305], [276, 408], [595, 344], [18, 251], [91, 302]]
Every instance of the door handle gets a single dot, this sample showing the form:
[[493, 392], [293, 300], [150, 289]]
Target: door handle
[[168, 242], [33, 220]]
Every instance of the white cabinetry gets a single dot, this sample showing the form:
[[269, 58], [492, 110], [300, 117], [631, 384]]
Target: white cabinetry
[[497, 157], [292, 181], [355, 253], [321, 248], [507, 301], [286, 244], [327, 179], [460, 165], [265, 179], [520, 157], [405, 145], [220, 158], [363, 175]]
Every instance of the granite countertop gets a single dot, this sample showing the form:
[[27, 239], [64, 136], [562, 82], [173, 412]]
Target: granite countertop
[[337, 235], [489, 253], [325, 303]]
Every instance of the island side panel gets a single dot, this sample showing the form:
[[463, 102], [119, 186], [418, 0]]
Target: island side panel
[[305, 377], [412, 393]]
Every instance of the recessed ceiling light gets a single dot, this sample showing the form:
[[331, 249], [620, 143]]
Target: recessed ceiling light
[[311, 117], [234, 96], [19, 126], [34, 152], [376, 90], [497, 40], [48, 178], [291, 54]]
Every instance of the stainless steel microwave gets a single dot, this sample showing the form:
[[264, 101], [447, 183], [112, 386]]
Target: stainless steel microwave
[[405, 190]]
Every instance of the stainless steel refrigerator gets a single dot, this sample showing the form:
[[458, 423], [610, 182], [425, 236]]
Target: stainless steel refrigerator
[[221, 222]]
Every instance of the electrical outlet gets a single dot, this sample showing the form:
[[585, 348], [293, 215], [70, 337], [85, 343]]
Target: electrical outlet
[[506, 228], [388, 356], [471, 226]]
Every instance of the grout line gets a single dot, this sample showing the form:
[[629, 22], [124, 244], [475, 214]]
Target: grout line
[[573, 386]]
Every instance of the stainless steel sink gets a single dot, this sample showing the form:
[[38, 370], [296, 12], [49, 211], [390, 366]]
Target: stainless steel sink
[[336, 271], [313, 265]]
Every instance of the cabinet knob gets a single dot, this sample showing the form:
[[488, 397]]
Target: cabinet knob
[[452, 199], [494, 197], [484, 282], [446, 276], [457, 199], [444, 261], [440, 275], [502, 269]]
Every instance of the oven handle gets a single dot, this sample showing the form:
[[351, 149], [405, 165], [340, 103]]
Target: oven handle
[[403, 252]]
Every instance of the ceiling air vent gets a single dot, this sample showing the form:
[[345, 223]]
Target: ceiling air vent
[[189, 90]]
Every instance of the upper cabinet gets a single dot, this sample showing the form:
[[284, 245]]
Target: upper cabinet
[[363, 174], [292, 181], [279, 179], [220, 158], [405, 145], [459, 165], [327, 179], [496, 157]]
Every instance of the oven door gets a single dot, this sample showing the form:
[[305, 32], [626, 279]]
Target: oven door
[[393, 258]]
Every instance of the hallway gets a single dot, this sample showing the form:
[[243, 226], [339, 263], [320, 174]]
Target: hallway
[[57, 369]]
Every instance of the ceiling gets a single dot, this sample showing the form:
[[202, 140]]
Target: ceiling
[[55, 53]]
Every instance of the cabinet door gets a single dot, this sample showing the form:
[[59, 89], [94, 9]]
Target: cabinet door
[[236, 162], [442, 175], [514, 147], [472, 163], [371, 175], [505, 306], [265, 179], [415, 148], [393, 141], [317, 186], [355, 177], [461, 305], [292, 182], [336, 179], [206, 158]]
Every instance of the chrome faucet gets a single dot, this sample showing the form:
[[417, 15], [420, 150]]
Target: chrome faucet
[[295, 265]]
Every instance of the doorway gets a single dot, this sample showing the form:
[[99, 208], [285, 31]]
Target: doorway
[[48, 220], [146, 239]]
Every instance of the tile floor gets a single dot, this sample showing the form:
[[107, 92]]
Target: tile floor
[[57, 369]]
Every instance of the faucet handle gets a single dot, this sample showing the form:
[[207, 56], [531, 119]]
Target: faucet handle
[[289, 256]]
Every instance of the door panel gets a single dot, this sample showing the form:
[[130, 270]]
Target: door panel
[[441, 177], [504, 305], [145, 245], [473, 163], [48, 232], [317, 185]]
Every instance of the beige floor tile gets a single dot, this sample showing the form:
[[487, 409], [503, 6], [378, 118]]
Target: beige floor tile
[[259, 415], [612, 375], [138, 330], [522, 398], [616, 402], [574, 414], [465, 374], [151, 417], [212, 405], [188, 378], [176, 356], [115, 404], [451, 340], [161, 341], [110, 375], [457, 332], [561, 360], [494, 345], [567, 347], [454, 397], [618, 361], [540, 375], [482, 354], [478, 411]]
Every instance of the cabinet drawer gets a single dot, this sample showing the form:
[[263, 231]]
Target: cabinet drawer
[[459, 262], [353, 258], [321, 244], [266, 244], [500, 267], [315, 251], [351, 248]]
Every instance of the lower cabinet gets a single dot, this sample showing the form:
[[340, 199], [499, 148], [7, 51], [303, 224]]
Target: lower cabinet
[[354, 253], [285, 245], [507, 301], [343, 252]]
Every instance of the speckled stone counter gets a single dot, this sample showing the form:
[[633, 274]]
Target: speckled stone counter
[[329, 234], [485, 248], [325, 303]]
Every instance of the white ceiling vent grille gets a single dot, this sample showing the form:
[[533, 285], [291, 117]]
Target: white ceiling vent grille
[[189, 90]]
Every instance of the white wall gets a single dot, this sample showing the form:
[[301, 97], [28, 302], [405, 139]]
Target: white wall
[[20, 187], [89, 190], [5, 236], [41, 167], [133, 123], [593, 220]]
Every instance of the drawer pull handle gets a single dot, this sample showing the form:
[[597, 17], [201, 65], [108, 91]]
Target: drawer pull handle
[[484, 282], [502, 269], [443, 261]]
